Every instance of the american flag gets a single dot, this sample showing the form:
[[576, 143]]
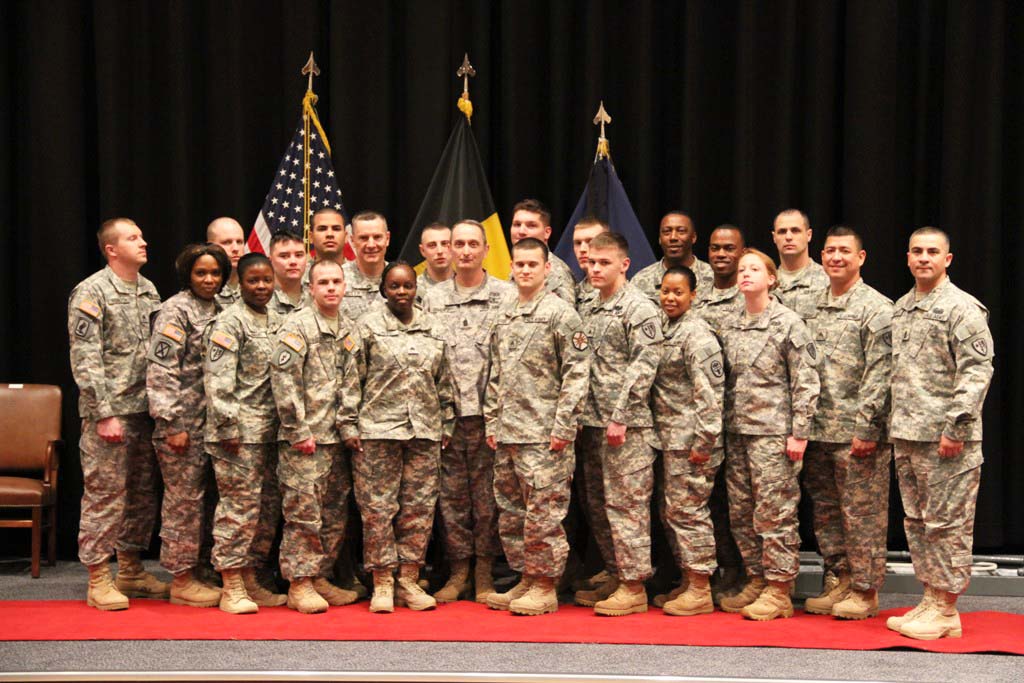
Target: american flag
[[283, 206]]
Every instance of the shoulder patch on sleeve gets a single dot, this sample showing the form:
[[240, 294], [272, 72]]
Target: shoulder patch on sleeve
[[284, 358], [90, 307], [714, 368], [224, 340], [349, 343], [580, 341], [83, 326], [294, 342], [174, 332]]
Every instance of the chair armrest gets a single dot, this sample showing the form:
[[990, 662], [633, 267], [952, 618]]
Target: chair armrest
[[52, 462]]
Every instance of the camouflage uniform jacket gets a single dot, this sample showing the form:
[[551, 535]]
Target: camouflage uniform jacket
[[941, 365], [466, 321], [688, 390], [174, 378], [282, 305], [771, 383], [560, 280], [719, 306], [853, 335], [108, 332], [584, 291], [229, 294], [397, 383], [540, 371], [305, 372], [240, 400], [424, 283], [648, 280], [361, 292], [625, 337], [799, 293]]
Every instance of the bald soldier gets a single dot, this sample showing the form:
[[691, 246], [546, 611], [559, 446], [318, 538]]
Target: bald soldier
[[801, 278], [676, 235], [227, 233], [108, 332], [941, 370], [369, 238], [530, 218]]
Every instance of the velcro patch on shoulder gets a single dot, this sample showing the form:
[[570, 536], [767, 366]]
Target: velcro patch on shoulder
[[225, 340], [89, 307], [294, 342], [174, 332], [349, 343]]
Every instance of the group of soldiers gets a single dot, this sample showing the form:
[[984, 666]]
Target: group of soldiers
[[702, 387]]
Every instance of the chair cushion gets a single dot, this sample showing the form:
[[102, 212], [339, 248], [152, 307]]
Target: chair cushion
[[19, 491]]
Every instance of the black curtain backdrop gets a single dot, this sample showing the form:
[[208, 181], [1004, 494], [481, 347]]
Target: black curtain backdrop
[[886, 115]]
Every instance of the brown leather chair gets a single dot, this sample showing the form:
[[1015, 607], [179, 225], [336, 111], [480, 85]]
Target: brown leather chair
[[30, 446]]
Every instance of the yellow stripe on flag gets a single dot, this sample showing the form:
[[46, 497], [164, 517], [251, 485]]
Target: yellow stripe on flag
[[498, 261]]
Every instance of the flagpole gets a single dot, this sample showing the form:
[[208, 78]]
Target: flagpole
[[310, 98], [603, 148], [465, 72]]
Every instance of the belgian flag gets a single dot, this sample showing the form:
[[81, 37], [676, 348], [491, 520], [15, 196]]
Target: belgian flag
[[458, 191]]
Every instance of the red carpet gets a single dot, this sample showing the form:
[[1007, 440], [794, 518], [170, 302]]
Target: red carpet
[[464, 621]]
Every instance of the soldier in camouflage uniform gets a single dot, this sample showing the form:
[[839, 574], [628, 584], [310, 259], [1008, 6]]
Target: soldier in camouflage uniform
[[846, 467], [227, 233], [530, 218], [582, 234], [941, 369], [327, 236], [686, 403], [370, 238], [177, 401], [717, 305], [540, 372], [436, 250], [676, 236], [800, 276], [313, 467], [288, 258], [108, 332], [397, 412], [771, 395], [241, 437], [624, 332], [465, 309]]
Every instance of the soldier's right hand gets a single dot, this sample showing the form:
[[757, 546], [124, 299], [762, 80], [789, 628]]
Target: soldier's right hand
[[492, 442], [354, 443], [306, 446], [178, 443], [110, 430], [230, 445]]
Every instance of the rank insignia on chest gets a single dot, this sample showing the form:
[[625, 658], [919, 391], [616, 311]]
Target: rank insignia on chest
[[650, 329], [580, 341]]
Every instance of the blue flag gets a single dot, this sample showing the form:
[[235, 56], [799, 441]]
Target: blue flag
[[605, 198]]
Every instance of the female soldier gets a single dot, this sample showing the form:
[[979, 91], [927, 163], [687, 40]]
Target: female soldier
[[686, 402], [241, 438], [770, 397], [177, 401], [397, 409]]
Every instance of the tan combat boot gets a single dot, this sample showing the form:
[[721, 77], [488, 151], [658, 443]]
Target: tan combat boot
[[695, 600], [939, 620], [103, 594], [592, 582], [750, 593], [383, 599], [409, 594], [629, 598], [303, 598], [503, 600], [134, 581], [895, 623], [458, 586], [835, 590], [233, 597], [589, 598], [857, 605], [483, 578], [187, 590], [774, 602], [335, 597], [541, 598], [258, 593], [726, 583], [660, 599]]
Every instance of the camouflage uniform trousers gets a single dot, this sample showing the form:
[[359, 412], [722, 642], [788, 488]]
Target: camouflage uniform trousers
[[396, 486], [314, 504], [121, 489], [469, 516], [249, 508], [939, 496], [764, 491], [182, 517], [589, 444], [532, 486], [850, 499], [627, 473], [726, 552], [685, 511]]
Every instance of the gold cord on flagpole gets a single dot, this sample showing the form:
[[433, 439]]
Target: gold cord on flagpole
[[603, 147], [465, 72], [308, 117]]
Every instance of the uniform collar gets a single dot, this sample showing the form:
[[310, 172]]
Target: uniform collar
[[841, 301], [925, 304]]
